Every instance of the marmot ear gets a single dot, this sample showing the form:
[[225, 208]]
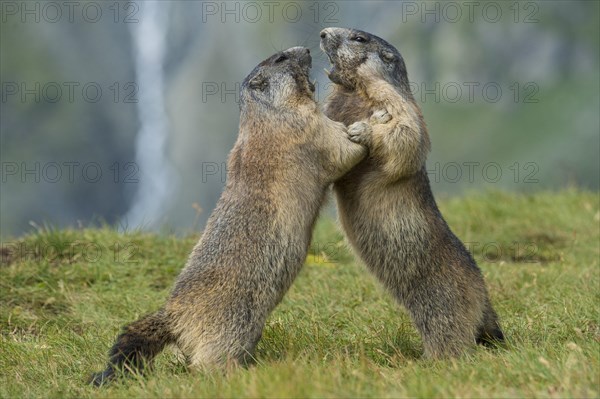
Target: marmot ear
[[258, 82], [387, 56]]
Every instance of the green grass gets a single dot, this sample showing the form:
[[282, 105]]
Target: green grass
[[66, 293]]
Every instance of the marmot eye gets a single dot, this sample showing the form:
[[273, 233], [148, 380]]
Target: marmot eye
[[359, 39], [281, 58]]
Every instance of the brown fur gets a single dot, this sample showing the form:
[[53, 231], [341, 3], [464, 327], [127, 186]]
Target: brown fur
[[386, 206], [286, 156]]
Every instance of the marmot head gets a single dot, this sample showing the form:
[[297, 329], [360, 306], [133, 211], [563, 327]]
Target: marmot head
[[280, 82], [358, 56]]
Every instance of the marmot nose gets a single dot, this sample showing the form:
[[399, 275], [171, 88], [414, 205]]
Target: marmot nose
[[300, 54], [298, 49], [328, 33]]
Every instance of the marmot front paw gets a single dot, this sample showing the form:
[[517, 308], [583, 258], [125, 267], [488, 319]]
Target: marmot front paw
[[380, 116], [360, 133]]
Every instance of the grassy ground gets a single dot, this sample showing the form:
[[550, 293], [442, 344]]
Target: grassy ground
[[65, 294]]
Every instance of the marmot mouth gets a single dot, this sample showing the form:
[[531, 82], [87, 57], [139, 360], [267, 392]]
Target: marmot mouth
[[310, 83], [329, 71], [330, 59], [332, 71], [333, 75]]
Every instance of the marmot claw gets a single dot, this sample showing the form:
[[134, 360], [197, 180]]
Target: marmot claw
[[360, 133], [380, 116]]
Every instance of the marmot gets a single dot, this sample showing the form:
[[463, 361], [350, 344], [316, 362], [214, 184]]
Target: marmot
[[286, 156], [386, 206]]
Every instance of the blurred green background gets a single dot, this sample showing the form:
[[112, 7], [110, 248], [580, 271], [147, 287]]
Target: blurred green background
[[124, 112]]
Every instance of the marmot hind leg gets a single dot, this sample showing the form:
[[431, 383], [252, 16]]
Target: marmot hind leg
[[225, 351], [447, 325]]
